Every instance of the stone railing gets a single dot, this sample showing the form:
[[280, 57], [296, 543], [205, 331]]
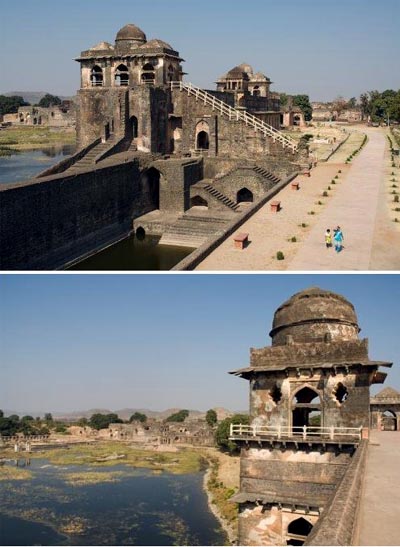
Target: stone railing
[[249, 432]]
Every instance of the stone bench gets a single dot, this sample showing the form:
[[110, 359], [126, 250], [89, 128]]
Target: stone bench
[[241, 240], [295, 186], [275, 206]]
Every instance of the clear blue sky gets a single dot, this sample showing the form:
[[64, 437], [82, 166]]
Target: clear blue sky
[[75, 342], [323, 48]]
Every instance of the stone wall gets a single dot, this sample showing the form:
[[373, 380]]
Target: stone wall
[[53, 220]]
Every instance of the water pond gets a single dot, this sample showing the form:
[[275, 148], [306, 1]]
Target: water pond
[[117, 505], [21, 166]]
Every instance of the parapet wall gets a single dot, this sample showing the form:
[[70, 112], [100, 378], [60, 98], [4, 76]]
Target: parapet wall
[[338, 523]]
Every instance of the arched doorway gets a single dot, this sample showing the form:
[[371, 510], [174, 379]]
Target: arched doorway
[[148, 74], [296, 120], [133, 127], [244, 194], [256, 91], [203, 142], [198, 201], [96, 76], [122, 75], [297, 531], [150, 184], [306, 409], [389, 421]]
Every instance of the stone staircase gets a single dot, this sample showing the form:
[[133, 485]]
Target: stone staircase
[[210, 189], [236, 115], [88, 160], [192, 230], [266, 174]]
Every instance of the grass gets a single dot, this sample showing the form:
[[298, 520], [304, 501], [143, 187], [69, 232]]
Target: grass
[[181, 462], [9, 473], [29, 138], [221, 494], [92, 477]]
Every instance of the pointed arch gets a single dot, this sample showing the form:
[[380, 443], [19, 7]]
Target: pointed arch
[[121, 75], [196, 201], [244, 195], [96, 76]]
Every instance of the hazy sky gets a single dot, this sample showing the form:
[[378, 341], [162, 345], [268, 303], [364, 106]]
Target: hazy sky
[[323, 48], [75, 342]]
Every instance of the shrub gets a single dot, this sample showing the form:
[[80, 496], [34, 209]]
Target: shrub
[[339, 171], [319, 203], [294, 239], [325, 194], [394, 185], [396, 220], [397, 209], [311, 213], [329, 187], [280, 255], [336, 177], [304, 225], [396, 199]]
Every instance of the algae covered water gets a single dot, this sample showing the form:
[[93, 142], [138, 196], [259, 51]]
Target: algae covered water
[[117, 505]]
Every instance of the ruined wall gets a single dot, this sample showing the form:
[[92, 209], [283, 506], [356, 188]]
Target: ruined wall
[[269, 407], [227, 137], [52, 220]]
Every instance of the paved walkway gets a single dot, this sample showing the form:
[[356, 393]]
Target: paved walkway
[[354, 208], [357, 203], [379, 522]]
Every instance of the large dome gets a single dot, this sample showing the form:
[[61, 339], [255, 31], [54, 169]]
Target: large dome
[[131, 33], [314, 315]]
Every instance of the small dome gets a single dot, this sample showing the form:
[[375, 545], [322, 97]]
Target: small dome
[[130, 33], [312, 315], [259, 77], [102, 46], [156, 43], [237, 71]]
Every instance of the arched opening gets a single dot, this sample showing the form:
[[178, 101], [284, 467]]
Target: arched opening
[[341, 393], [122, 75], [306, 410], [34, 121], [296, 120], [389, 421], [196, 201], [297, 531], [96, 76], [202, 142], [148, 74], [133, 127], [170, 73], [150, 181], [244, 194], [140, 233], [256, 91]]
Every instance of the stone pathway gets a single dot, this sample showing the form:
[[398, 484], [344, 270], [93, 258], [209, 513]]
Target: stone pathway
[[379, 519], [357, 203]]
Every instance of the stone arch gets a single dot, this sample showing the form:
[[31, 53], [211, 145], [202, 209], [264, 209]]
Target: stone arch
[[170, 73], [150, 186], [256, 91], [148, 74], [198, 201], [306, 408], [389, 420], [298, 530], [296, 119], [202, 135], [133, 127], [121, 77], [244, 195], [96, 76]]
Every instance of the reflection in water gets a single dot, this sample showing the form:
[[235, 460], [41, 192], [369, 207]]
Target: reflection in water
[[21, 166], [135, 253], [138, 509]]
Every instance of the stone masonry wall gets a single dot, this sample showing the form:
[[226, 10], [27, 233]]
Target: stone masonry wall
[[55, 219]]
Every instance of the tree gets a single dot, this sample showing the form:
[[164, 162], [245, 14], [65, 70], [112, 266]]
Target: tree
[[49, 100], [83, 422], [10, 105], [283, 99], [223, 430], [352, 103], [48, 417], [1, 414], [138, 417], [339, 105], [303, 102], [211, 417], [364, 103], [102, 421], [178, 416]]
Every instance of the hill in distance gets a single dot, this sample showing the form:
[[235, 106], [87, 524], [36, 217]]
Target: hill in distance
[[33, 97]]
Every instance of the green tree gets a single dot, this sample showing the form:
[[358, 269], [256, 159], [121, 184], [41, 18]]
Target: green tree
[[49, 100], [283, 99], [303, 102], [211, 417], [48, 417], [10, 105], [223, 430], [138, 417], [178, 416], [352, 103], [102, 421], [83, 422]]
